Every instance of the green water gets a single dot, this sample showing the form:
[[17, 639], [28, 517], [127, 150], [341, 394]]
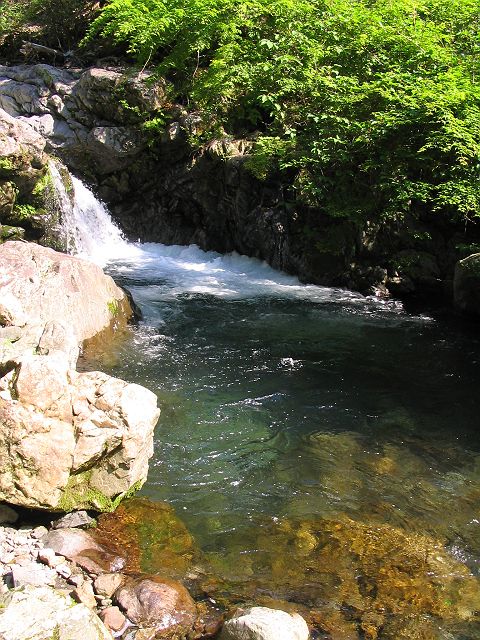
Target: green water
[[284, 404]]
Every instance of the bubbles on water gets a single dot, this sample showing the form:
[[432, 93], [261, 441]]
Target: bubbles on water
[[290, 364]]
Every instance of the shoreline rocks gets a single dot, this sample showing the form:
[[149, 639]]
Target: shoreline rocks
[[61, 573], [68, 440]]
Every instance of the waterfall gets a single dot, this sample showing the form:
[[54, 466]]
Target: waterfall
[[87, 229]]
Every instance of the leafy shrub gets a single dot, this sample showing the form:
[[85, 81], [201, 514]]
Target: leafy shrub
[[374, 105]]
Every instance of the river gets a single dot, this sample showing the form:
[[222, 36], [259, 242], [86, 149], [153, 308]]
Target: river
[[311, 439]]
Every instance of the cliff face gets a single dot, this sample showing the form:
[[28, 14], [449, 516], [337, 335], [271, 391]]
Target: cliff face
[[162, 187]]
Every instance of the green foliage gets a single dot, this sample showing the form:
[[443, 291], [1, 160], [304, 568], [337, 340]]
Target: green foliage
[[12, 17], [55, 23], [373, 105], [43, 183], [24, 211], [6, 165], [113, 308]]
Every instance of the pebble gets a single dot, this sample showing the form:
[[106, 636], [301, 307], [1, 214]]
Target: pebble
[[50, 558], [23, 559], [76, 579], [113, 618], [106, 584], [84, 593], [39, 532], [7, 557]]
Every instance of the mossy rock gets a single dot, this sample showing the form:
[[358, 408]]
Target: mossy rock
[[151, 536], [11, 233], [8, 196], [80, 494]]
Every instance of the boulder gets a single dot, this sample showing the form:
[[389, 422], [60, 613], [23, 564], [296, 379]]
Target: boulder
[[466, 285], [39, 613], [262, 623], [158, 603], [31, 278], [68, 440]]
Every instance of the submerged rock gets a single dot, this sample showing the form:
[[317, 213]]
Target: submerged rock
[[68, 440], [384, 577], [262, 623], [158, 603], [151, 535]]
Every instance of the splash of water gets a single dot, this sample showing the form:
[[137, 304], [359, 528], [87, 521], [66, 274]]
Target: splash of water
[[88, 230]]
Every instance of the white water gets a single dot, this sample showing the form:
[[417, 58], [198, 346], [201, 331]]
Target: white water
[[174, 270], [87, 227]]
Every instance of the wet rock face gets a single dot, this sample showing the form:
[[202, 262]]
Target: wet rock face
[[24, 187], [88, 117], [178, 194], [466, 287], [67, 440]]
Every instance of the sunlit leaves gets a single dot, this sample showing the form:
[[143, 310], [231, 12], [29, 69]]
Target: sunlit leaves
[[372, 104]]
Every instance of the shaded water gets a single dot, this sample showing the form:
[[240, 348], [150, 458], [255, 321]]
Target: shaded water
[[321, 447]]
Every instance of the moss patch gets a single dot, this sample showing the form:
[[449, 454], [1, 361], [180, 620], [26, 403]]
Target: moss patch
[[113, 307], [6, 164], [79, 494], [45, 182]]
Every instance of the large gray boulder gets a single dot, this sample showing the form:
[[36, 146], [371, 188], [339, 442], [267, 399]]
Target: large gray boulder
[[68, 440], [466, 285], [262, 623], [39, 285], [42, 613], [89, 116]]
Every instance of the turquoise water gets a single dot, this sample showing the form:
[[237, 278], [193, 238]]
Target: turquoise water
[[285, 402]]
